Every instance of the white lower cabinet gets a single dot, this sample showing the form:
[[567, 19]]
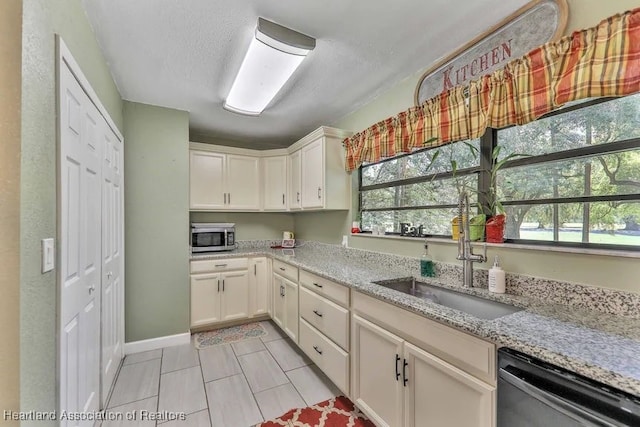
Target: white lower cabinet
[[291, 309], [228, 289], [328, 356], [217, 297], [277, 312], [376, 385], [234, 303], [397, 383], [285, 298], [439, 394], [205, 299], [259, 286]]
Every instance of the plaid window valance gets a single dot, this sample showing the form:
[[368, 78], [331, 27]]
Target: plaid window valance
[[596, 62]]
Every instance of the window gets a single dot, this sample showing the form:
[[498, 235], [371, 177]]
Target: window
[[578, 183], [420, 188]]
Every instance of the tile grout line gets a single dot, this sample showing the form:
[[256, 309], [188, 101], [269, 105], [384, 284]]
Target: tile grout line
[[204, 384], [244, 375], [159, 382]]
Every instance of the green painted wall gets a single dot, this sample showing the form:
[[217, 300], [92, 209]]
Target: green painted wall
[[156, 215], [41, 20], [603, 271], [326, 227], [251, 226]]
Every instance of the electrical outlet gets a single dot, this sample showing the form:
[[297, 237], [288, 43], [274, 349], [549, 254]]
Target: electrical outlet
[[48, 255]]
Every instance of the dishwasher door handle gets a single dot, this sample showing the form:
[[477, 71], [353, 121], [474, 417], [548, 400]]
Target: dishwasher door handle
[[572, 411]]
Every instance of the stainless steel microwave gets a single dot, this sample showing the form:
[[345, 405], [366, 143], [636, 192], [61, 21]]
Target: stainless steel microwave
[[212, 237]]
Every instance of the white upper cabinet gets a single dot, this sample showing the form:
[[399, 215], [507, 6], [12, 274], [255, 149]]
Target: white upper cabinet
[[243, 183], [206, 180], [313, 175], [309, 175], [295, 181], [274, 183], [220, 181], [321, 177]]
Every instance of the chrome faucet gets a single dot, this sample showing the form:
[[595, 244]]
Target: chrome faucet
[[465, 252]]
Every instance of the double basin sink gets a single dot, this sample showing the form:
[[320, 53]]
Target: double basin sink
[[470, 304]]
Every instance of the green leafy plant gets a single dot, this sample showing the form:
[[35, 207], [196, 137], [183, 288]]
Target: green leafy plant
[[495, 207]]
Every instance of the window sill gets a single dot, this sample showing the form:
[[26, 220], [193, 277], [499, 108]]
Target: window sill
[[545, 248]]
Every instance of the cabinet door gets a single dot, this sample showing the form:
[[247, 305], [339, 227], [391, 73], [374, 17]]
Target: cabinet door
[[439, 394], [295, 181], [206, 180], [205, 299], [278, 300], [243, 182], [275, 183], [291, 309], [376, 370], [258, 287], [313, 175], [235, 295]]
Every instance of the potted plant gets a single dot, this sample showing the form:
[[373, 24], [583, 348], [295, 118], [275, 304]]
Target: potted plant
[[497, 216]]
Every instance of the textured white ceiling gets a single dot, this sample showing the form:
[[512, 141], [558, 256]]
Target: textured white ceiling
[[184, 54]]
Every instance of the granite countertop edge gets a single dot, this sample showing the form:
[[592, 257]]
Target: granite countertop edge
[[508, 331]]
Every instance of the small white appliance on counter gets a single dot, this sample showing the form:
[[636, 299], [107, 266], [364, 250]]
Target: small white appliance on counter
[[212, 237], [288, 240]]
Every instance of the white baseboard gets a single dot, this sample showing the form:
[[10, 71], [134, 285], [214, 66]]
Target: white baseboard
[[156, 343]]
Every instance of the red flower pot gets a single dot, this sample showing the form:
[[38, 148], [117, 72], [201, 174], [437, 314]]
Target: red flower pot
[[495, 229]]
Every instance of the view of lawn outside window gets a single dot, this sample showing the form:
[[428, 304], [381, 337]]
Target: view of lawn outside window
[[572, 177]]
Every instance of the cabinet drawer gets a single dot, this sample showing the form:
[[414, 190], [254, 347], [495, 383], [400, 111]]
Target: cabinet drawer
[[333, 291], [330, 358], [460, 349], [215, 265], [285, 270], [328, 317]]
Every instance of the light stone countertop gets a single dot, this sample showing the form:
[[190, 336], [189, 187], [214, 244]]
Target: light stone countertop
[[604, 347]]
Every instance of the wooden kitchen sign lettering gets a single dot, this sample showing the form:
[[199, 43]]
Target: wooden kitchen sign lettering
[[533, 25]]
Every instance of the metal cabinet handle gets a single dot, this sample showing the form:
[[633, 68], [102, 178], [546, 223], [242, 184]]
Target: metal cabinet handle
[[222, 285], [397, 370], [315, 284], [220, 265], [255, 270], [109, 274], [229, 197], [315, 347], [283, 198], [218, 285], [317, 314], [405, 380], [225, 198], [281, 291], [298, 197], [281, 268], [319, 190], [91, 289]]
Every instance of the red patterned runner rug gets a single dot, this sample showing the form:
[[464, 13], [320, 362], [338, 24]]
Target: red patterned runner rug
[[336, 412]]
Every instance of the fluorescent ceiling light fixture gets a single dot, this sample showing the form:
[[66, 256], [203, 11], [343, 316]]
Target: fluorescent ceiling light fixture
[[273, 56]]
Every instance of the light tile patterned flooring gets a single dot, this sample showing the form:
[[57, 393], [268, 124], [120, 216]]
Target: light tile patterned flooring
[[228, 385]]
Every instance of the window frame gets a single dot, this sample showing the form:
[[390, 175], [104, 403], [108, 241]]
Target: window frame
[[488, 142]]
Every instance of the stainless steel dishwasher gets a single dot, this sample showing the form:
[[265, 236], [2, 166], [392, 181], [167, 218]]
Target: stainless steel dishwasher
[[533, 393]]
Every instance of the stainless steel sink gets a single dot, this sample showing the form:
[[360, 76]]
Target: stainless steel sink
[[475, 306]]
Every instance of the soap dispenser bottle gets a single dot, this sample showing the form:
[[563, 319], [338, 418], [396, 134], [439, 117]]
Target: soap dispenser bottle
[[496, 278], [427, 268]]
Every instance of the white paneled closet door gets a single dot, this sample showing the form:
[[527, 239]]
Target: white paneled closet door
[[91, 245], [80, 248], [112, 232]]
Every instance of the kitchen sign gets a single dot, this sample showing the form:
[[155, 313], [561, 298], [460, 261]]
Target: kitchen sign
[[533, 25]]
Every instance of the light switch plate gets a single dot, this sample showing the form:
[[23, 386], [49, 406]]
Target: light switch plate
[[48, 255]]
